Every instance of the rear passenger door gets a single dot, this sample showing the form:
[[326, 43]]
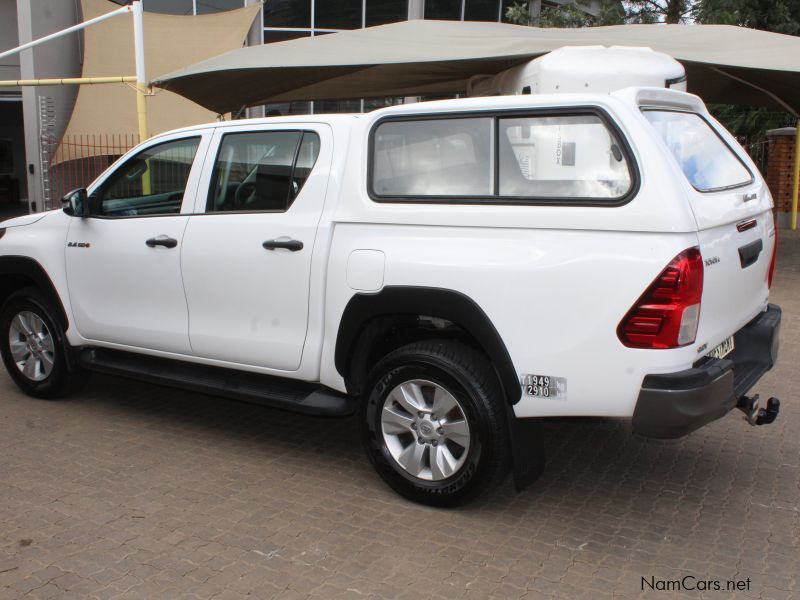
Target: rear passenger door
[[248, 248]]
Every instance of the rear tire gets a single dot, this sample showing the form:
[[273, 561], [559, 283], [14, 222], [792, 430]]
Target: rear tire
[[442, 459], [34, 348]]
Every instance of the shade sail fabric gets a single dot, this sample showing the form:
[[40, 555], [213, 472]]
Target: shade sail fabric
[[171, 42], [422, 57]]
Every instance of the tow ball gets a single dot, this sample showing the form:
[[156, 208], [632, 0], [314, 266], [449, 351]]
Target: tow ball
[[755, 415]]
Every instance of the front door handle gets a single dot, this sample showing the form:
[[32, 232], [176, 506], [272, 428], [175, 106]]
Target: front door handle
[[288, 244], [162, 240]]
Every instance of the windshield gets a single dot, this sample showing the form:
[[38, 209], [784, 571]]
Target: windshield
[[707, 161]]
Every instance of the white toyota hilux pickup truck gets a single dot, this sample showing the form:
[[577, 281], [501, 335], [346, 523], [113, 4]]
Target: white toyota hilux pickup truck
[[452, 272]]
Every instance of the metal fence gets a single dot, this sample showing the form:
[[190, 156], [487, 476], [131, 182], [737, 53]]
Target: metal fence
[[759, 152], [77, 160]]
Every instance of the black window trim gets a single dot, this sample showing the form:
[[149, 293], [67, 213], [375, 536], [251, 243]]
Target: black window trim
[[724, 188], [496, 198], [155, 144]]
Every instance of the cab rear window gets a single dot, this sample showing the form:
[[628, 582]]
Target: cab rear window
[[705, 159]]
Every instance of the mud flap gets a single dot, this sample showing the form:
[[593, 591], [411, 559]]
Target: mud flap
[[527, 450]]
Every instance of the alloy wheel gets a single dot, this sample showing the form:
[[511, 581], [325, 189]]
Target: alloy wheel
[[32, 345], [425, 429]]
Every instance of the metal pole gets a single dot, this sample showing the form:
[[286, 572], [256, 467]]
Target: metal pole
[[67, 81], [141, 76], [64, 32], [796, 183]]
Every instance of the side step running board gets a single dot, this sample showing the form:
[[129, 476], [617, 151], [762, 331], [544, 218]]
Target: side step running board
[[275, 392]]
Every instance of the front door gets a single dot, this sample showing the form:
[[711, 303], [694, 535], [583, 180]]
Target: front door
[[247, 258], [123, 262]]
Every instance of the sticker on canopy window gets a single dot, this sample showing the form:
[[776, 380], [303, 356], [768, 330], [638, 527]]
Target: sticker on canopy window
[[546, 387]]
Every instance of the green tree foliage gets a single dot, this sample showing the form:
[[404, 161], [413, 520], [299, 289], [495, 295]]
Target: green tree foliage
[[612, 12], [780, 16]]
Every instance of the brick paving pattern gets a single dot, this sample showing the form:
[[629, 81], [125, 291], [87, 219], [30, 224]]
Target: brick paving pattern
[[130, 490]]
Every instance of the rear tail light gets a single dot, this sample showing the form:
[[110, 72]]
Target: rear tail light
[[772, 262], [667, 314]]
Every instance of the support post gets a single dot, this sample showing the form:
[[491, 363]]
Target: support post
[[141, 76], [796, 174]]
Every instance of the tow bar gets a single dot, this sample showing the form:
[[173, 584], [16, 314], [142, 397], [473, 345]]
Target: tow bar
[[755, 415]]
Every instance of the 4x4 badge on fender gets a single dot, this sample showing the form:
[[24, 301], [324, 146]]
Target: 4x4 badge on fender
[[78, 245]]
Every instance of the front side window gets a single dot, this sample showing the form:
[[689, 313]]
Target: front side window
[[433, 157], [151, 183], [566, 156], [262, 170], [705, 159]]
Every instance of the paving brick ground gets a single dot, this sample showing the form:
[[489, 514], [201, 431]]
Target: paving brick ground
[[136, 491]]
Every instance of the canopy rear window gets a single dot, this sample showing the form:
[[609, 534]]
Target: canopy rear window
[[705, 159]]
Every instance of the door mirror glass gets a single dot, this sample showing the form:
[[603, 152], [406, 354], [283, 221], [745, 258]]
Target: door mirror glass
[[136, 169], [76, 203]]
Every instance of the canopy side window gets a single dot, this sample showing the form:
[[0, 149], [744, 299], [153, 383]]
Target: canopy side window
[[529, 158]]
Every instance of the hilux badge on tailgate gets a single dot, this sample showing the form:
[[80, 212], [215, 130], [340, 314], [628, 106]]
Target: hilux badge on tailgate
[[712, 261]]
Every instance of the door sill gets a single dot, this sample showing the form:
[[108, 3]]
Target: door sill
[[275, 392]]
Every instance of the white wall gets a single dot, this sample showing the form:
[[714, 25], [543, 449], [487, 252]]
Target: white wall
[[9, 66]]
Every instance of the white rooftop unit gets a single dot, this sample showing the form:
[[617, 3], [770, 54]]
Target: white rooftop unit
[[581, 69]]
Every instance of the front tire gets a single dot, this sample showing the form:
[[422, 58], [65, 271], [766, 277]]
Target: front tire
[[434, 425], [34, 348]]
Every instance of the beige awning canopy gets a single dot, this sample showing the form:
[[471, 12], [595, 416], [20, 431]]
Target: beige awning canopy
[[723, 63], [171, 42]]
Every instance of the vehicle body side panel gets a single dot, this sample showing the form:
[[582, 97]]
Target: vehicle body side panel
[[555, 297]]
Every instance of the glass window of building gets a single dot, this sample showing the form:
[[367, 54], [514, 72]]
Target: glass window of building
[[380, 12], [481, 10], [287, 13], [342, 14], [449, 10]]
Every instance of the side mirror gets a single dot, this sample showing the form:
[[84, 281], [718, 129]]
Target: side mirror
[[76, 203], [136, 168]]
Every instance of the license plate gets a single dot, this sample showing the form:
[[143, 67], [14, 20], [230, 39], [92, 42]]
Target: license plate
[[722, 350]]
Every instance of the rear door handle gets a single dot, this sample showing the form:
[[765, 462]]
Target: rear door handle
[[288, 244], [162, 240]]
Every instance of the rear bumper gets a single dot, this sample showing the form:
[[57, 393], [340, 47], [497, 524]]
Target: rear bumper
[[674, 404]]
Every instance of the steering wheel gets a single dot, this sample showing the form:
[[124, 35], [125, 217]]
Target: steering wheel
[[244, 192]]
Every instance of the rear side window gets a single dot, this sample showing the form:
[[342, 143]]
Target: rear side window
[[261, 170], [447, 157], [705, 159], [561, 157], [566, 158]]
